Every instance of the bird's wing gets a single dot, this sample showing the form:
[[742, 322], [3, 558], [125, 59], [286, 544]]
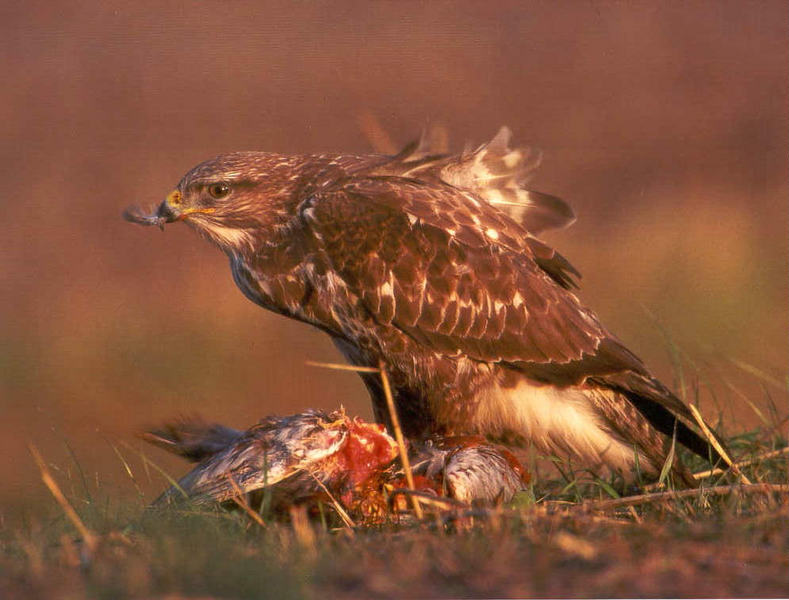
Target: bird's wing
[[495, 172], [462, 278], [272, 451]]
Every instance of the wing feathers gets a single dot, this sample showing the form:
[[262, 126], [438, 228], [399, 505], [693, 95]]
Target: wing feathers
[[465, 276], [493, 172], [466, 279]]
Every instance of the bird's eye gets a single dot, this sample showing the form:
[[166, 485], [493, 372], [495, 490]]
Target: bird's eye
[[219, 190]]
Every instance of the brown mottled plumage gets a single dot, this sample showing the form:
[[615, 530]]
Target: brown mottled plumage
[[430, 263]]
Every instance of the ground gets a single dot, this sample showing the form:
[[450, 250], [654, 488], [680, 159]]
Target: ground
[[563, 537]]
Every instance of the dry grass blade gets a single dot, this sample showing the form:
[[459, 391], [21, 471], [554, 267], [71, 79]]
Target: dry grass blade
[[148, 462], [714, 441], [721, 490], [239, 500], [745, 398], [572, 544], [430, 499], [376, 135], [128, 469], [409, 476], [757, 372], [341, 367], [346, 518], [669, 459], [88, 536], [305, 535]]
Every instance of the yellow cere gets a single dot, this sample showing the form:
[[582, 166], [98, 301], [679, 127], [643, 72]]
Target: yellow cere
[[174, 198]]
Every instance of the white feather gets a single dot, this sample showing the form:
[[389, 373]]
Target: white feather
[[557, 421]]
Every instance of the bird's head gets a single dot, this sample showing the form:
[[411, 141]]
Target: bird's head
[[230, 199]]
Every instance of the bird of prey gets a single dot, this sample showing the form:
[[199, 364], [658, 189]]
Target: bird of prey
[[430, 264], [301, 457]]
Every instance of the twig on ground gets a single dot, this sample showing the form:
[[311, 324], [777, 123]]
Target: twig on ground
[[721, 490], [90, 539], [742, 463], [634, 513], [720, 471], [409, 476]]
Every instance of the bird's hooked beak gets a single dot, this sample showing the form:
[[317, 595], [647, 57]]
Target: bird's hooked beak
[[169, 211]]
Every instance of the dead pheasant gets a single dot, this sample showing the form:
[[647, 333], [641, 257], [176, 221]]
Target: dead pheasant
[[311, 455]]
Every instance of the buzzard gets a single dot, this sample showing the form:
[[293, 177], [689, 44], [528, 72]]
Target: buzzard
[[430, 264]]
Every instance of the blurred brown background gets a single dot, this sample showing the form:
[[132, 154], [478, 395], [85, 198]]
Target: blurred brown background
[[664, 125]]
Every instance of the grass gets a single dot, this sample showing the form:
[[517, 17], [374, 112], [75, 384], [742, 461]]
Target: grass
[[571, 533], [567, 535]]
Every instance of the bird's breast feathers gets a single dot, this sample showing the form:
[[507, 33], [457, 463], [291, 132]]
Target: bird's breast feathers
[[563, 421]]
